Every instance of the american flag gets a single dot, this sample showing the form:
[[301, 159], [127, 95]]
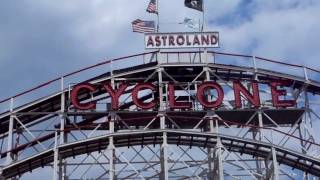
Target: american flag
[[152, 7], [143, 26]]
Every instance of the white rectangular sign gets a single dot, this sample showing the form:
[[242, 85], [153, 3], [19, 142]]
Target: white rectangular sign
[[181, 40]]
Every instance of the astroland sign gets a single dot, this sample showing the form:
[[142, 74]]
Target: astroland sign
[[181, 40]]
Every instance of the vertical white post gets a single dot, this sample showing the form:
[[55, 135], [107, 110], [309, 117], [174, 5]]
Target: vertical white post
[[164, 151], [275, 164], [306, 120], [211, 163], [111, 148], [205, 53], [55, 158], [211, 151], [206, 70], [254, 63], [305, 74], [260, 124], [111, 67], [218, 156], [63, 136], [161, 103], [10, 135], [260, 164], [219, 159], [255, 67], [62, 115]]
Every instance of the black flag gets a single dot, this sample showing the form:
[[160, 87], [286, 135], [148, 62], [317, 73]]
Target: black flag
[[194, 4]]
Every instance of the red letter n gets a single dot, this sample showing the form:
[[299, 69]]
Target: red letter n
[[239, 89]]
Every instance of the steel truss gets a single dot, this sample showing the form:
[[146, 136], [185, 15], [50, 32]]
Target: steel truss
[[162, 143]]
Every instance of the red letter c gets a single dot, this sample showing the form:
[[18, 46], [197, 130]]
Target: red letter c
[[75, 100]]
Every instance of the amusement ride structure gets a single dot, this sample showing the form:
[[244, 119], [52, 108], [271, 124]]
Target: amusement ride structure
[[166, 123]]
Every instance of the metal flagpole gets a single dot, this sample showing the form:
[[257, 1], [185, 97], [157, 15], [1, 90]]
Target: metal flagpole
[[158, 21], [205, 49], [157, 4], [202, 15]]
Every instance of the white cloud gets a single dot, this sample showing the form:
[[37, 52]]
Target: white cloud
[[285, 30]]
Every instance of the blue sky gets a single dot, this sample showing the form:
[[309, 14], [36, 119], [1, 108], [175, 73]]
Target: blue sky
[[41, 40]]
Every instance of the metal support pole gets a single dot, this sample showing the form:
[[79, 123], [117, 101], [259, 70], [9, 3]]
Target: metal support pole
[[55, 158], [260, 120], [305, 74], [302, 128], [307, 120], [255, 67], [210, 153], [111, 67], [9, 159], [161, 103], [62, 115], [206, 70], [218, 174], [111, 150], [63, 136], [259, 164], [205, 53], [275, 164], [254, 63], [164, 152]]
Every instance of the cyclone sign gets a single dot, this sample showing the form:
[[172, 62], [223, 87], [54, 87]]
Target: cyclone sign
[[240, 91]]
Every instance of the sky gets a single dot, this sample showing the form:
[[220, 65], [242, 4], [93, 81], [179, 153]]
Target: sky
[[41, 40]]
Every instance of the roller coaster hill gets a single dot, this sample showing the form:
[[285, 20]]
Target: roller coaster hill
[[167, 115]]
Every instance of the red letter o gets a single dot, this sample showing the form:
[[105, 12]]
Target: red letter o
[[137, 101], [203, 99]]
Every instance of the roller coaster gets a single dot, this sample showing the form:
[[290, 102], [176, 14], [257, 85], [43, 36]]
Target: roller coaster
[[43, 132]]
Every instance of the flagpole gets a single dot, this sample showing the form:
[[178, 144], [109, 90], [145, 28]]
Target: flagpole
[[158, 22], [203, 23], [158, 19], [202, 16]]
